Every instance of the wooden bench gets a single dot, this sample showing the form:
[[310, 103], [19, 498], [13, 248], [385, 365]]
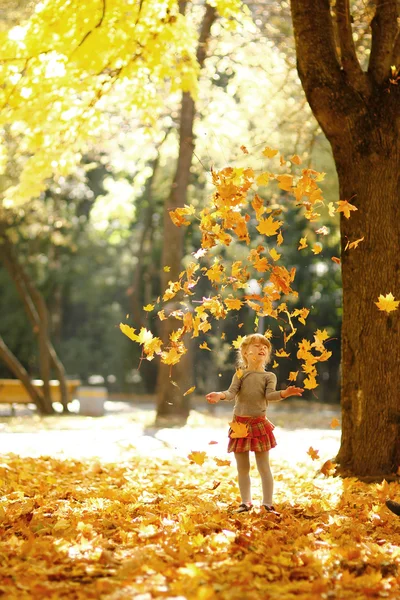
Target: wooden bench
[[13, 392]]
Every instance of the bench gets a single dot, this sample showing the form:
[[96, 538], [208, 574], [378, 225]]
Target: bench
[[13, 392]]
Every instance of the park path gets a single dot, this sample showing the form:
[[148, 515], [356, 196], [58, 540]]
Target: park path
[[127, 430]]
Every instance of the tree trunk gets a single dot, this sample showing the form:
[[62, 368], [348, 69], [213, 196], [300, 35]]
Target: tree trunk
[[170, 399], [371, 349], [359, 113], [20, 373]]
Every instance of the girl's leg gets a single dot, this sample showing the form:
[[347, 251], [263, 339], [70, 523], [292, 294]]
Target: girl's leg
[[243, 469], [267, 482]]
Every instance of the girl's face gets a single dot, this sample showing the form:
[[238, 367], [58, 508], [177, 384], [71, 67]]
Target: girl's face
[[256, 355]]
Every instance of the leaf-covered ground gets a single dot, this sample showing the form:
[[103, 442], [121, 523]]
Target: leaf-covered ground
[[114, 509]]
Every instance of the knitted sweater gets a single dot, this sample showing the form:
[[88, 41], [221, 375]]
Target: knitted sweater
[[252, 392]]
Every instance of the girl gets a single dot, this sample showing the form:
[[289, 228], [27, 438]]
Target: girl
[[252, 391]]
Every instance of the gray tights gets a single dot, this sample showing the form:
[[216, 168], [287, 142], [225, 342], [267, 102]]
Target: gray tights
[[243, 468]]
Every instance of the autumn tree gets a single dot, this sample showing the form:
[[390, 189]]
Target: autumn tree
[[358, 109]]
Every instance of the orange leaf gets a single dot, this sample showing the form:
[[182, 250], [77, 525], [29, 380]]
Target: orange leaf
[[334, 423], [328, 468], [239, 430], [345, 207], [212, 442], [222, 463], [351, 245], [336, 260], [295, 159], [313, 453], [302, 243], [269, 226]]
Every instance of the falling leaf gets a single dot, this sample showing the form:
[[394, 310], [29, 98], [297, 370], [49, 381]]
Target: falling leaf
[[285, 182], [212, 442], [129, 332], [275, 364], [268, 226], [197, 457], [295, 159], [293, 375], [148, 307], [263, 179], [269, 152], [274, 254], [313, 453], [351, 245], [239, 430], [236, 343], [174, 383], [167, 269], [317, 248], [387, 303], [190, 390], [323, 230], [302, 243], [336, 260], [345, 207], [204, 346], [239, 373], [244, 149], [334, 423], [281, 353], [279, 239]]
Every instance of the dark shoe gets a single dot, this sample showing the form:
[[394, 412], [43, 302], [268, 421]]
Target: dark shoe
[[244, 508], [269, 508], [393, 506]]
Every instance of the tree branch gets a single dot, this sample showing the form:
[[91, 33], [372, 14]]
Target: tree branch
[[351, 66], [385, 31]]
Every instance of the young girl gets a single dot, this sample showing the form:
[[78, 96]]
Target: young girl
[[252, 391]]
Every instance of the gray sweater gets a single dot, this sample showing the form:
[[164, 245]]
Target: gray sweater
[[252, 392]]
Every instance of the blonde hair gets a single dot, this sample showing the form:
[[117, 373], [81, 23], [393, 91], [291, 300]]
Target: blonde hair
[[246, 342]]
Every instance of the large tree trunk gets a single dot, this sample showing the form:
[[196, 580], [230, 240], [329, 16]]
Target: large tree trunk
[[359, 113], [170, 399]]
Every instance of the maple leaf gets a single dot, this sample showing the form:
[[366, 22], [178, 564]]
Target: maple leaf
[[269, 152], [129, 332], [281, 353], [161, 315], [148, 307], [239, 430], [310, 383], [274, 254], [302, 243], [279, 239], [328, 468], [323, 230], [269, 226], [197, 457], [336, 260], [317, 248], [387, 303], [313, 453], [166, 269], [293, 375], [244, 149], [334, 423], [263, 179], [212, 443], [233, 303], [295, 159], [204, 346], [351, 245], [345, 207], [222, 463], [236, 343], [190, 390], [275, 364], [285, 182]]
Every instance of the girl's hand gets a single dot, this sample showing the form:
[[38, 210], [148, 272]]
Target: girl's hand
[[292, 390], [213, 397]]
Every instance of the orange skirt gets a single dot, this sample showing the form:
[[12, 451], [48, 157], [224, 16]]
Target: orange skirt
[[260, 436]]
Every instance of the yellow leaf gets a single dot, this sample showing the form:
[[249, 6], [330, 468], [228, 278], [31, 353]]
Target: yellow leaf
[[281, 353], [129, 332], [295, 159], [190, 390], [263, 179], [279, 239], [239, 373], [239, 430], [313, 453], [236, 343], [331, 209], [197, 457], [166, 269], [148, 307], [233, 303], [269, 152], [387, 303], [285, 182], [204, 346], [293, 375], [310, 383], [317, 248], [274, 254], [275, 365], [302, 243], [345, 207], [351, 245], [269, 226]]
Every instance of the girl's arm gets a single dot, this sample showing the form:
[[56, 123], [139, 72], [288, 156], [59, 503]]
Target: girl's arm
[[271, 395], [229, 394]]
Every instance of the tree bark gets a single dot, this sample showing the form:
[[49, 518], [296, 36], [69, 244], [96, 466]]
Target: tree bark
[[20, 373], [170, 399], [359, 113]]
